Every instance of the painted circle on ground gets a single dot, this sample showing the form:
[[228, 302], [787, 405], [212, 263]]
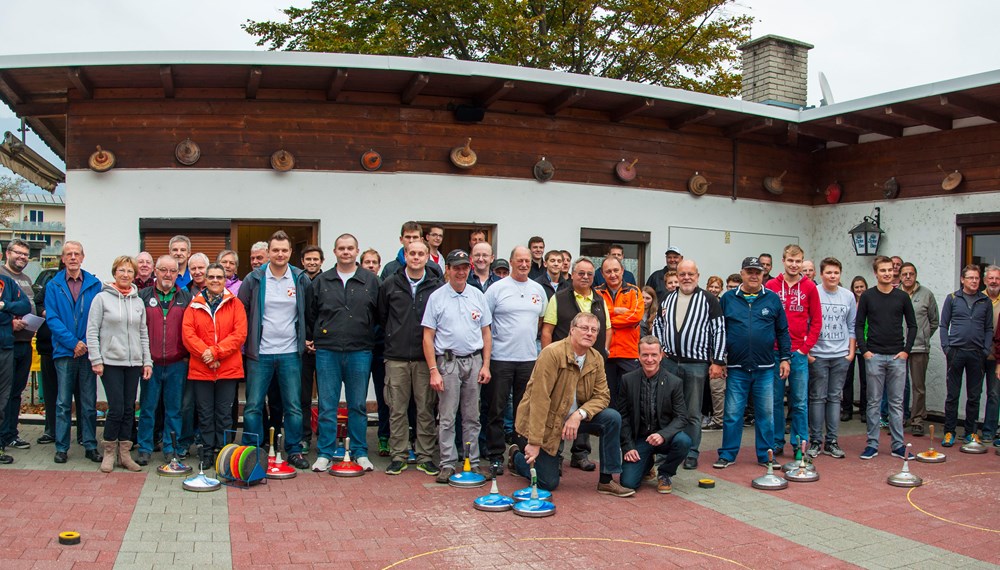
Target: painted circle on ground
[[506, 546], [972, 490]]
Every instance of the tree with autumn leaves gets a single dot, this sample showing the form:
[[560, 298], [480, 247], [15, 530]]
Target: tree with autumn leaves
[[689, 44]]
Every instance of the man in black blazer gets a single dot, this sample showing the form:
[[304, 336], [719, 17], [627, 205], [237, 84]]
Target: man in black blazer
[[653, 413]]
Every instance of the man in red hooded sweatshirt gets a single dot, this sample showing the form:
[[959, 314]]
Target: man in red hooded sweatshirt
[[800, 299]]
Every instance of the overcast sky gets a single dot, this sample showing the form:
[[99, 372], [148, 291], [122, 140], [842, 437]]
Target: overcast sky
[[863, 47]]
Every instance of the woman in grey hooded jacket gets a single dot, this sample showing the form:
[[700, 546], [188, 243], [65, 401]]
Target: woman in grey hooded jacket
[[118, 346]]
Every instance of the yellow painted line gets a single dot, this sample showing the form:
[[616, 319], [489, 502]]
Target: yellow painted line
[[932, 515], [620, 540]]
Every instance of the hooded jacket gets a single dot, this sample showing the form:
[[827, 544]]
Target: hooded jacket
[[253, 293], [223, 332], [116, 329], [400, 313], [752, 329], [67, 319], [393, 266], [803, 311]]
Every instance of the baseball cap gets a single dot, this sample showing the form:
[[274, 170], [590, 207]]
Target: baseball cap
[[672, 249], [752, 263], [457, 257], [500, 263]]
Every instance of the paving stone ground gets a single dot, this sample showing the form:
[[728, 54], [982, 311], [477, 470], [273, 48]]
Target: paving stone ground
[[850, 518]]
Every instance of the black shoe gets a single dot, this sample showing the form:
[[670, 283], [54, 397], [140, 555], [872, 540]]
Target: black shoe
[[691, 463], [917, 430], [60, 457], [142, 458], [846, 416], [182, 453], [5, 459], [18, 443], [298, 461], [158, 445], [93, 455], [748, 421], [45, 439], [496, 466], [779, 451], [583, 464]]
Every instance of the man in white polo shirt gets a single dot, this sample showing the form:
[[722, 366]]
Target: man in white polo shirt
[[457, 344]]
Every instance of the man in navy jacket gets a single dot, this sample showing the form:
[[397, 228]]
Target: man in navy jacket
[[13, 303], [755, 324]]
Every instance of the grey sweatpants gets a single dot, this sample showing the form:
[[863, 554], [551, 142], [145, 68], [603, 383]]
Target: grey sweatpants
[[461, 389]]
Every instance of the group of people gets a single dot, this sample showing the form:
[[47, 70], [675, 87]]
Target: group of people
[[505, 360]]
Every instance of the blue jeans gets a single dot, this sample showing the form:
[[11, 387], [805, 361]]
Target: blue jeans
[[992, 401], [72, 373], [798, 400], [671, 453], [884, 410], [167, 382], [740, 383], [826, 386], [885, 374], [607, 424], [350, 369], [286, 369], [693, 376], [22, 369]]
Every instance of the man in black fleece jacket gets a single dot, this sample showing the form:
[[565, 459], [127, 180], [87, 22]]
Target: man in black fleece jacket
[[885, 351]]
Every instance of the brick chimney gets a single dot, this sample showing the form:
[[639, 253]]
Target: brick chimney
[[774, 71]]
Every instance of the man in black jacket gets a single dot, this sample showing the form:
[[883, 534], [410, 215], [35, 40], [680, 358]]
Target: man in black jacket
[[401, 302], [653, 413]]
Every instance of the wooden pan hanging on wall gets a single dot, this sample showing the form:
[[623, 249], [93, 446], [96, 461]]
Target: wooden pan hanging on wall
[[282, 160], [101, 160], [951, 180], [187, 152], [463, 156]]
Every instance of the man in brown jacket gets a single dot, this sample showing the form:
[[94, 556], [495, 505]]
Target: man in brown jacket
[[567, 394]]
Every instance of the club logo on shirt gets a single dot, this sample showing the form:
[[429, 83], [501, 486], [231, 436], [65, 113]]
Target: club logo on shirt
[[536, 298], [152, 302], [476, 315], [765, 311], [290, 292]]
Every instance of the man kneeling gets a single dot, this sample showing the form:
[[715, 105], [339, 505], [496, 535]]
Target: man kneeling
[[567, 393], [653, 413]]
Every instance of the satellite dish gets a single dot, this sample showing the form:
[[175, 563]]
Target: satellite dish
[[824, 87]]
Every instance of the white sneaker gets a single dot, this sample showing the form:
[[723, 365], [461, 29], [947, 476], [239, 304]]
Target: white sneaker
[[365, 463], [322, 464]]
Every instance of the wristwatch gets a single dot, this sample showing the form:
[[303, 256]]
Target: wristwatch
[[583, 414]]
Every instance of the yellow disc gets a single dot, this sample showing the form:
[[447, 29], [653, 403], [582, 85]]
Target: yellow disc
[[69, 537]]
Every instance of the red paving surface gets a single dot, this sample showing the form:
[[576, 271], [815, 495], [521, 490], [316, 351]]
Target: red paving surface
[[856, 490], [35, 506], [394, 520]]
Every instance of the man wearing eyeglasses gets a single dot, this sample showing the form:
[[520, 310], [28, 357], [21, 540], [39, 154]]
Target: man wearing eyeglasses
[[563, 308], [17, 260], [568, 383], [165, 305], [434, 236]]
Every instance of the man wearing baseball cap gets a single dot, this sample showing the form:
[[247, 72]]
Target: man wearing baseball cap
[[673, 257]]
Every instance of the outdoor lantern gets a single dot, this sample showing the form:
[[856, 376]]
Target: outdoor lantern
[[866, 236]]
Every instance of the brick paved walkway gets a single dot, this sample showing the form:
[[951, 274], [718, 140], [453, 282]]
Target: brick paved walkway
[[850, 518]]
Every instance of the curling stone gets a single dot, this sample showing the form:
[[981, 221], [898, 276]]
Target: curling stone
[[340, 453], [769, 481], [931, 455], [493, 502], [174, 468], [346, 468], [974, 446], [466, 479], [799, 461], [201, 483], [534, 507], [904, 478], [803, 473], [279, 468]]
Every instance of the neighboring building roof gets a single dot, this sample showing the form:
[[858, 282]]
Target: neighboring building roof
[[45, 199], [38, 86]]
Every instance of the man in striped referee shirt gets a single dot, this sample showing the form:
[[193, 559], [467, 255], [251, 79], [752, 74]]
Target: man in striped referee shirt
[[692, 329]]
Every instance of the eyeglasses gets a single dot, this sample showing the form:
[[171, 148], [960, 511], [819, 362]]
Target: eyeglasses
[[436, 235], [165, 270], [591, 330], [215, 278], [584, 273]]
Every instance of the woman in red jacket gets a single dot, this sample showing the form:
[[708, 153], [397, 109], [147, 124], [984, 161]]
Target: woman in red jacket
[[215, 328]]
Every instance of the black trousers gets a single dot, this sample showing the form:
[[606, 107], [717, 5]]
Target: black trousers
[[121, 384], [505, 376], [847, 401], [214, 402], [308, 379]]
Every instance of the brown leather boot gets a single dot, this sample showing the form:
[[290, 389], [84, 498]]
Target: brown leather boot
[[125, 456], [108, 462]]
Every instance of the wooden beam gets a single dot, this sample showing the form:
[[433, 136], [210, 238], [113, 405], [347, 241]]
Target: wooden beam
[[870, 125], [167, 79], [48, 137], [564, 100], [40, 109], [253, 83], [336, 84], [10, 89], [494, 93], [414, 87], [792, 134], [691, 117], [750, 126], [80, 81], [631, 108], [828, 134], [974, 106], [939, 122]]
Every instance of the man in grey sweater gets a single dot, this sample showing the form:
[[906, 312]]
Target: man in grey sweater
[[925, 308]]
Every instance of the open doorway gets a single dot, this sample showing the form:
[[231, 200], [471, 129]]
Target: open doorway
[[595, 244], [456, 236], [245, 233]]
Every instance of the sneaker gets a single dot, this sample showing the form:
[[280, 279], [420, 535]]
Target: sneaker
[[664, 485], [18, 443], [60, 457], [298, 461], [445, 474], [365, 463], [814, 449], [142, 458], [383, 447], [395, 468], [322, 464], [967, 438], [690, 463], [512, 450], [5, 459], [45, 439], [713, 426], [902, 453], [429, 468], [722, 463], [949, 440], [883, 423], [614, 488], [917, 430], [779, 450], [833, 450], [305, 447], [748, 421], [996, 442], [869, 452], [411, 458], [496, 466]]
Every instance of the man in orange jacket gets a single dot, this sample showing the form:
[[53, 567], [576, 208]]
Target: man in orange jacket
[[626, 308]]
